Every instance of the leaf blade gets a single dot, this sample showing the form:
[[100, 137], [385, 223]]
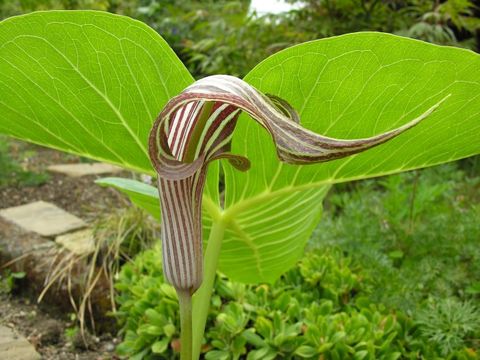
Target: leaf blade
[[440, 70], [143, 195], [268, 238], [86, 82], [320, 79]]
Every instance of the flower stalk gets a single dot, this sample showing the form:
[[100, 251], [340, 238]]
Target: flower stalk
[[185, 302]]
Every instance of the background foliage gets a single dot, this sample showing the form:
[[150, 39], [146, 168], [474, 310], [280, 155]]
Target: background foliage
[[220, 36], [393, 271]]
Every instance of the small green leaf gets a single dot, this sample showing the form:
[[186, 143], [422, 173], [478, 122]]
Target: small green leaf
[[264, 327], [396, 254], [217, 355], [360, 355], [264, 353], [169, 330], [18, 275], [151, 330], [305, 351], [168, 291], [393, 356], [253, 338], [143, 195], [161, 346], [326, 308], [325, 347], [155, 317]]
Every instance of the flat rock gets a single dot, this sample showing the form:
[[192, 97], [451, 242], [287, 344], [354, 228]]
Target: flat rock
[[42, 218], [13, 346], [79, 242], [36, 256], [77, 170]]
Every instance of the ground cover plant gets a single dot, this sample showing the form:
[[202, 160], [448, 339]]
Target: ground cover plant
[[323, 308], [92, 84], [415, 234]]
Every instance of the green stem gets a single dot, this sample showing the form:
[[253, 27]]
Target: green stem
[[201, 299], [185, 302]]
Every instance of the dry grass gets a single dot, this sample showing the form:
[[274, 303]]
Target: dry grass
[[118, 237]]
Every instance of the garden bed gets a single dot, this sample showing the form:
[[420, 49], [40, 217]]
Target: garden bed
[[78, 195], [50, 330], [49, 327]]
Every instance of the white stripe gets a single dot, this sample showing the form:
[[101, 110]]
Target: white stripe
[[191, 121], [178, 126], [210, 120]]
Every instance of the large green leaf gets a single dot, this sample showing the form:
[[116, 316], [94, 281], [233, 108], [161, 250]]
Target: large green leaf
[[351, 86], [86, 82], [92, 83]]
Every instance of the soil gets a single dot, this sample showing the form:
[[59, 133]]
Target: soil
[[47, 332], [80, 196], [46, 326]]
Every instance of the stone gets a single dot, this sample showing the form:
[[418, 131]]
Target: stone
[[42, 218], [79, 242], [14, 346], [77, 170], [109, 347]]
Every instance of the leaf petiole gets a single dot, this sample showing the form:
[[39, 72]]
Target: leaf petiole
[[201, 298]]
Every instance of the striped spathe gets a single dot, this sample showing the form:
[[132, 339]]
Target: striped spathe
[[195, 128]]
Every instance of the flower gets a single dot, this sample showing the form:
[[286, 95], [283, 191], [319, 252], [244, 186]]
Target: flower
[[195, 128]]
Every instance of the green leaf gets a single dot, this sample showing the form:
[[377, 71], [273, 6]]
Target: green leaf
[[151, 330], [86, 82], [160, 346], [18, 275], [169, 330], [143, 195], [306, 351], [350, 86], [359, 355], [217, 355], [252, 338]]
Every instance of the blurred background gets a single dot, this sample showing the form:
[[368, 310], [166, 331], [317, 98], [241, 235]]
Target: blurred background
[[217, 36], [410, 241]]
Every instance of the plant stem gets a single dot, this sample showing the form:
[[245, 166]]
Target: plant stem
[[201, 299], [185, 302]]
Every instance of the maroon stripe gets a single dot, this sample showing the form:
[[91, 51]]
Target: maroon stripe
[[216, 123], [181, 202], [169, 246]]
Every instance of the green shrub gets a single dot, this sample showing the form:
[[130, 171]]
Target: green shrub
[[447, 323], [320, 309], [415, 234]]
